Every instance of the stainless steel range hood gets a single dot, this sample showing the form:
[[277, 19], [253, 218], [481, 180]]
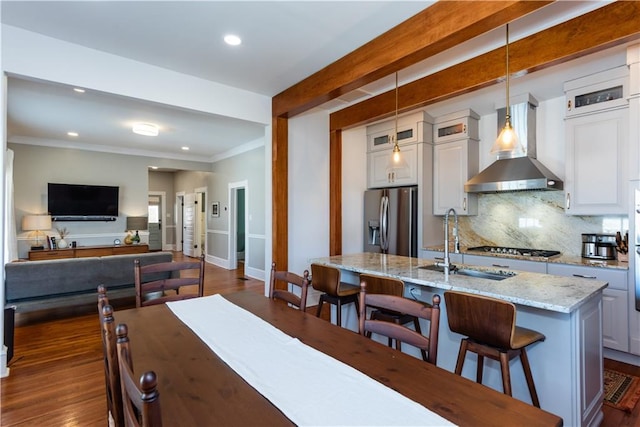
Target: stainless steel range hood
[[519, 173]]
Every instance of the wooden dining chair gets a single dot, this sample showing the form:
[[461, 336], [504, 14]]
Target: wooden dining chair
[[489, 325], [286, 295], [399, 332], [141, 403], [110, 353], [326, 279], [390, 286], [152, 281]]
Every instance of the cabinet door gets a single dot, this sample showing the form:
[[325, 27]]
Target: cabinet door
[[615, 327], [382, 174], [597, 163], [453, 164], [615, 309]]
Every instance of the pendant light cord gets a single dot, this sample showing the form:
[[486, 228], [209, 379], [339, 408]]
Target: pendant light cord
[[395, 135], [508, 104]]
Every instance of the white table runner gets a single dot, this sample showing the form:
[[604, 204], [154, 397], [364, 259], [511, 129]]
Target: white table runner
[[309, 387]]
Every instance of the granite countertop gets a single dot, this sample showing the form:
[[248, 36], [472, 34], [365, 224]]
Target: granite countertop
[[544, 291], [558, 259]]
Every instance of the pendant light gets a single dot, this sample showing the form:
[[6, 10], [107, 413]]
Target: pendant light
[[507, 144]]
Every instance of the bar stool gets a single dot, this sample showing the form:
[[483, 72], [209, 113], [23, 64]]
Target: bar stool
[[489, 325], [326, 279], [394, 287]]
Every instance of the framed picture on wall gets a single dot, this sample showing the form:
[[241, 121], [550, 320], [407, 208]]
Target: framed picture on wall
[[215, 209]]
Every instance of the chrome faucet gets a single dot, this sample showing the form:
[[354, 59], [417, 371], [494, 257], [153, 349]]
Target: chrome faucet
[[456, 247]]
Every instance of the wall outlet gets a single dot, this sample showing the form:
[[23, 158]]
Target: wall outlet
[[415, 291]]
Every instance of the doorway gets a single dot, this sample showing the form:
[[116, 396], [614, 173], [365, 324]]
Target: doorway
[[157, 211], [239, 253]]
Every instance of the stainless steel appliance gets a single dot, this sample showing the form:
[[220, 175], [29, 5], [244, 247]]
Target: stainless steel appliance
[[545, 253], [599, 246], [391, 221]]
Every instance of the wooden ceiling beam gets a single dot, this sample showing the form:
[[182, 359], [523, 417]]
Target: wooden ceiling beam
[[436, 29], [611, 25]]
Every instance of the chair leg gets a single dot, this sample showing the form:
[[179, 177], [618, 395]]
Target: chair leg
[[506, 374], [319, 310], [461, 355], [480, 369], [339, 313], [527, 374]]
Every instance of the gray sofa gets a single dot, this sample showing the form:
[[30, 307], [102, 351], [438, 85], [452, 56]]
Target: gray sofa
[[35, 285]]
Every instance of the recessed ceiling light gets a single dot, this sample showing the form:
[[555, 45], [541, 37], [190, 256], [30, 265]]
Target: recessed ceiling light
[[78, 89], [232, 40], [185, 148], [146, 129], [153, 167], [72, 133]]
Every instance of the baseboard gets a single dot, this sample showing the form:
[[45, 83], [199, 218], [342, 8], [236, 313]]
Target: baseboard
[[620, 356], [254, 273], [218, 262], [4, 371]]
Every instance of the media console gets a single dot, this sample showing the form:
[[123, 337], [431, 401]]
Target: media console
[[86, 251]]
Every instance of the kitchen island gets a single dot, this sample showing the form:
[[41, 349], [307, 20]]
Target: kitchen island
[[567, 366]]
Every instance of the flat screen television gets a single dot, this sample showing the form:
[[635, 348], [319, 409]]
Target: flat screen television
[[73, 202]]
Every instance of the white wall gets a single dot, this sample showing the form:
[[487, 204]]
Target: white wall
[[308, 189], [354, 183]]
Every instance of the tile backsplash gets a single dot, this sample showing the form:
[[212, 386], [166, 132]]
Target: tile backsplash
[[532, 219]]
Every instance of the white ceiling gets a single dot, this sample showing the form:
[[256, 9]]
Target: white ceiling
[[283, 43]]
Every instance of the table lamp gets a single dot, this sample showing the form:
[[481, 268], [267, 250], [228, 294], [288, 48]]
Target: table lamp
[[136, 223], [36, 224]]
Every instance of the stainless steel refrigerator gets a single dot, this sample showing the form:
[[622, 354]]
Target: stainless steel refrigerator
[[390, 221]]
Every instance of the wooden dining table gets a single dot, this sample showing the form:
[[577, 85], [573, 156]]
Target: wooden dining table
[[198, 389]]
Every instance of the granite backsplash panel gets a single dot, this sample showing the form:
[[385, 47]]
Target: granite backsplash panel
[[532, 219]]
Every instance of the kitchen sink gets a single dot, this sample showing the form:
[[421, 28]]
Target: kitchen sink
[[481, 274]]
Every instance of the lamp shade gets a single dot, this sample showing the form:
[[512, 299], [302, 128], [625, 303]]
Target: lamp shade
[[136, 223], [36, 222]]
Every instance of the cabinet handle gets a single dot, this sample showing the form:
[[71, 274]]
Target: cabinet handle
[[568, 201], [464, 204], [464, 128], [584, 277], [499, 266], [569, 105]]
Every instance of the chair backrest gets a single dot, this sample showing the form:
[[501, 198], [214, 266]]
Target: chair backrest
[[383, 285], [141, 404], [111, 369], [325, 278], [487, 320], [401, 333], [178, 274], [285, 294]]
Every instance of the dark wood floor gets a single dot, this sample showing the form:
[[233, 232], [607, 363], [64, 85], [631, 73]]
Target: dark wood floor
[[57, 377]]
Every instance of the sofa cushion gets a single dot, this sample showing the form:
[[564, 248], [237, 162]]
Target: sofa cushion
[[42, 279], [116, 271]]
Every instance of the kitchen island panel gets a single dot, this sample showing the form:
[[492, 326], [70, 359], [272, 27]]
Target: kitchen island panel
[[567, 366]]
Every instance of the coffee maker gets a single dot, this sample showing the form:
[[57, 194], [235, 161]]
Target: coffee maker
[[599, 246]]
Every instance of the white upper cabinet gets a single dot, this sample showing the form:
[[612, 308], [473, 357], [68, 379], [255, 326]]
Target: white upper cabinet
[[455, 161], [597, 152], [413, 130]]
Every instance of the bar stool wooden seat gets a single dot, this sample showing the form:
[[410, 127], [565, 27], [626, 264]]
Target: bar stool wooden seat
[[326, 279], [489, 325]]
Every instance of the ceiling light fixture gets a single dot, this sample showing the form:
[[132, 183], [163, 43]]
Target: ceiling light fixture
[[507, 144], [78, 89], [232, 40], [146, 129], [185, 148], [74, 134], [397, 160]]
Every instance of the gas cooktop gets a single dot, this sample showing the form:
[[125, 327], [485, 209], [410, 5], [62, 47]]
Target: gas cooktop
[[515, 251]]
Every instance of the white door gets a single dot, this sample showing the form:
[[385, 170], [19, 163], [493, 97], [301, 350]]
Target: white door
[[189, 225]]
